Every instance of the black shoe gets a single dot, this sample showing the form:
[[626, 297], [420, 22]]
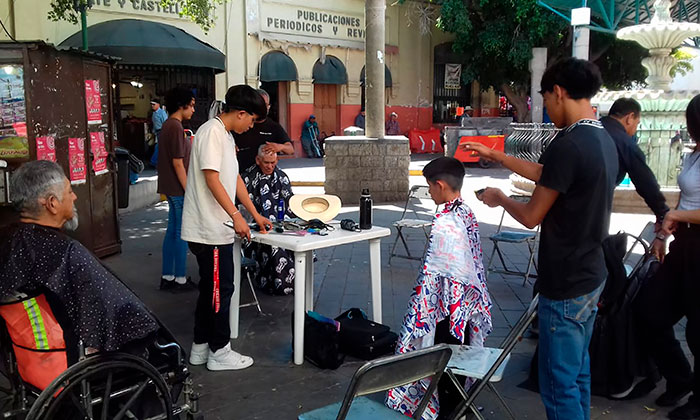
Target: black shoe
[[671, 397], [642, 389], [688, 411], [184, 287], [167, 284]]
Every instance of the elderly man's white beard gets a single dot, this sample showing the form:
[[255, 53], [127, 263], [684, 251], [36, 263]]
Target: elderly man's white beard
[[72, 224]]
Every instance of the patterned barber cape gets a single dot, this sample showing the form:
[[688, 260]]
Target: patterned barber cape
[[276, 265], [451, 284]]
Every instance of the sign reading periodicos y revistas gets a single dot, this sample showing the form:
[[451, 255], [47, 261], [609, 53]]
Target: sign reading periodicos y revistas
[[294, 20]]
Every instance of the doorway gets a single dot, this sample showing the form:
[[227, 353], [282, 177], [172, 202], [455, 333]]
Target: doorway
[[326, 108], [279, 102]]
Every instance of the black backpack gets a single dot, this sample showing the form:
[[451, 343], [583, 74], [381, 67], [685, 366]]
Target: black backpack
[[362, 338], [321, 343]]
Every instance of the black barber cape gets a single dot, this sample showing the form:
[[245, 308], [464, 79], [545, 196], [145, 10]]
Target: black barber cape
[[103, 311]]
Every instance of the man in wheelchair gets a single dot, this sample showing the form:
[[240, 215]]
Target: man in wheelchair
[[58, 281]]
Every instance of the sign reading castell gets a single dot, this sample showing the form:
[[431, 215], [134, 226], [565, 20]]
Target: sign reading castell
[[290, 20], [147, 7]]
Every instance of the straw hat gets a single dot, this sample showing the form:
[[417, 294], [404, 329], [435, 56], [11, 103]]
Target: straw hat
[[315, 206]]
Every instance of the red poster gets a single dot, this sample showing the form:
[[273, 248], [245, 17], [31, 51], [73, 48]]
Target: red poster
[[99, 153], [76, 160], [46, 148], [93, 102]]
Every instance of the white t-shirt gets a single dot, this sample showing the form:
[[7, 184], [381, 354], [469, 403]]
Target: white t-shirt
[[202, 217], [689, 181]]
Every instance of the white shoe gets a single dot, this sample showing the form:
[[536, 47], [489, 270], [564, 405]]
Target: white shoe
[[199, 354], [227, 359]]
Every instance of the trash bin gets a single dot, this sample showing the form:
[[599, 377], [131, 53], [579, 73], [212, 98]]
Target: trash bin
[[122, 177]]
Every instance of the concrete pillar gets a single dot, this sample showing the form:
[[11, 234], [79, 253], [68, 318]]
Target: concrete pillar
[[374, 68], [538, 65], [582, 42]]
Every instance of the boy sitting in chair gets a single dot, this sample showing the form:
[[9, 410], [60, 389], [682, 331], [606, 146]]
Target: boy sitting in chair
[[450, 302]]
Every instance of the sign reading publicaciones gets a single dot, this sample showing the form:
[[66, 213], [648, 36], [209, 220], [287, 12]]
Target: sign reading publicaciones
[[313, 23]]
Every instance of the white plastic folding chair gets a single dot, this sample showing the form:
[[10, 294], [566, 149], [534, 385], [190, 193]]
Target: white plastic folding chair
[[486, 365], [412, 218], [514, 237]]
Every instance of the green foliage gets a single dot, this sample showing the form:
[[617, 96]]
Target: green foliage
[[620, 61], [684, 65], [496, 38], [200, 12], [64, 10]]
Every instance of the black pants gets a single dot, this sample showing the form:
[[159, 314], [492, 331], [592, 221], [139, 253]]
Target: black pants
[[447, 394], [211, 326], [672, 294]]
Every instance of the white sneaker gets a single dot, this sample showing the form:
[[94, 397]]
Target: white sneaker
[[199, 354], [227, 359]]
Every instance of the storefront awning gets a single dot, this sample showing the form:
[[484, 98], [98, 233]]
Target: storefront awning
[[387, 76], [143, 42], [331, 73], [276, 66]]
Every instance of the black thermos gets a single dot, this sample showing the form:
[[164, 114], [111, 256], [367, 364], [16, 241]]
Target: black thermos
[[365, 210]]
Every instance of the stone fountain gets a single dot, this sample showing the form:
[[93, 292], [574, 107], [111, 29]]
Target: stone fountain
[[660, 37], [663, 110]]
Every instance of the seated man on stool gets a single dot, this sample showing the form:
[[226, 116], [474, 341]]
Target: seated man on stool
[[269, 189]]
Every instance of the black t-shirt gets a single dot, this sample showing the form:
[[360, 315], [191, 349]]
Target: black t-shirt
[[581, 164], [249, 142]]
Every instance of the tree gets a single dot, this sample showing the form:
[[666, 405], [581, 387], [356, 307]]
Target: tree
[[200, 12], [620, 61], [496, 37], [684, 64]]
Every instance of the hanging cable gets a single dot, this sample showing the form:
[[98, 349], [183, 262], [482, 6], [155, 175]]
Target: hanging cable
[[7, 32]]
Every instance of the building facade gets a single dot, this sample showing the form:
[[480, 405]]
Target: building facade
[[309, 55]]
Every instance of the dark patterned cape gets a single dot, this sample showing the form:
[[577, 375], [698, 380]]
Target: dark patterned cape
[[276, 273], [104, 313]]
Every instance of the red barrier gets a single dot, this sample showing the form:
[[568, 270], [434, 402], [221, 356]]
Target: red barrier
[[425, 141], [493, 142]]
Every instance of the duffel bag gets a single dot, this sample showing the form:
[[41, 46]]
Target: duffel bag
[[362, 338]]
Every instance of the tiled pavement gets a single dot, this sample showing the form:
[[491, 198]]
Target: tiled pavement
[[276, 389]]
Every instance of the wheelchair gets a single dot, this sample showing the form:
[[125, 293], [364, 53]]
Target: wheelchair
[[146, 381]]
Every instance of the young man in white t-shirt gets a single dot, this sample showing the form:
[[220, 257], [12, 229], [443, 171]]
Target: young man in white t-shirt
[[213, 183]]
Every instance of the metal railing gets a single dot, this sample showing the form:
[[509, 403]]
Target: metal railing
[[528, 140], [664, 151]]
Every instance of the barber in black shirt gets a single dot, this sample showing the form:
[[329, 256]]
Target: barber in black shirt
[[263, 132], [621, 123]]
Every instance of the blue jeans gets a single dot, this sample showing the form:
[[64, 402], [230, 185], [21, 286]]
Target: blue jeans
[[174, 248], [566, 327]]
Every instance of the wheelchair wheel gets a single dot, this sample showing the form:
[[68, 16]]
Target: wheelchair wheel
[[106, 386]]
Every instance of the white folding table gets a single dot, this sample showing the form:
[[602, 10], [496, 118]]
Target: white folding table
[[302, 246]]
